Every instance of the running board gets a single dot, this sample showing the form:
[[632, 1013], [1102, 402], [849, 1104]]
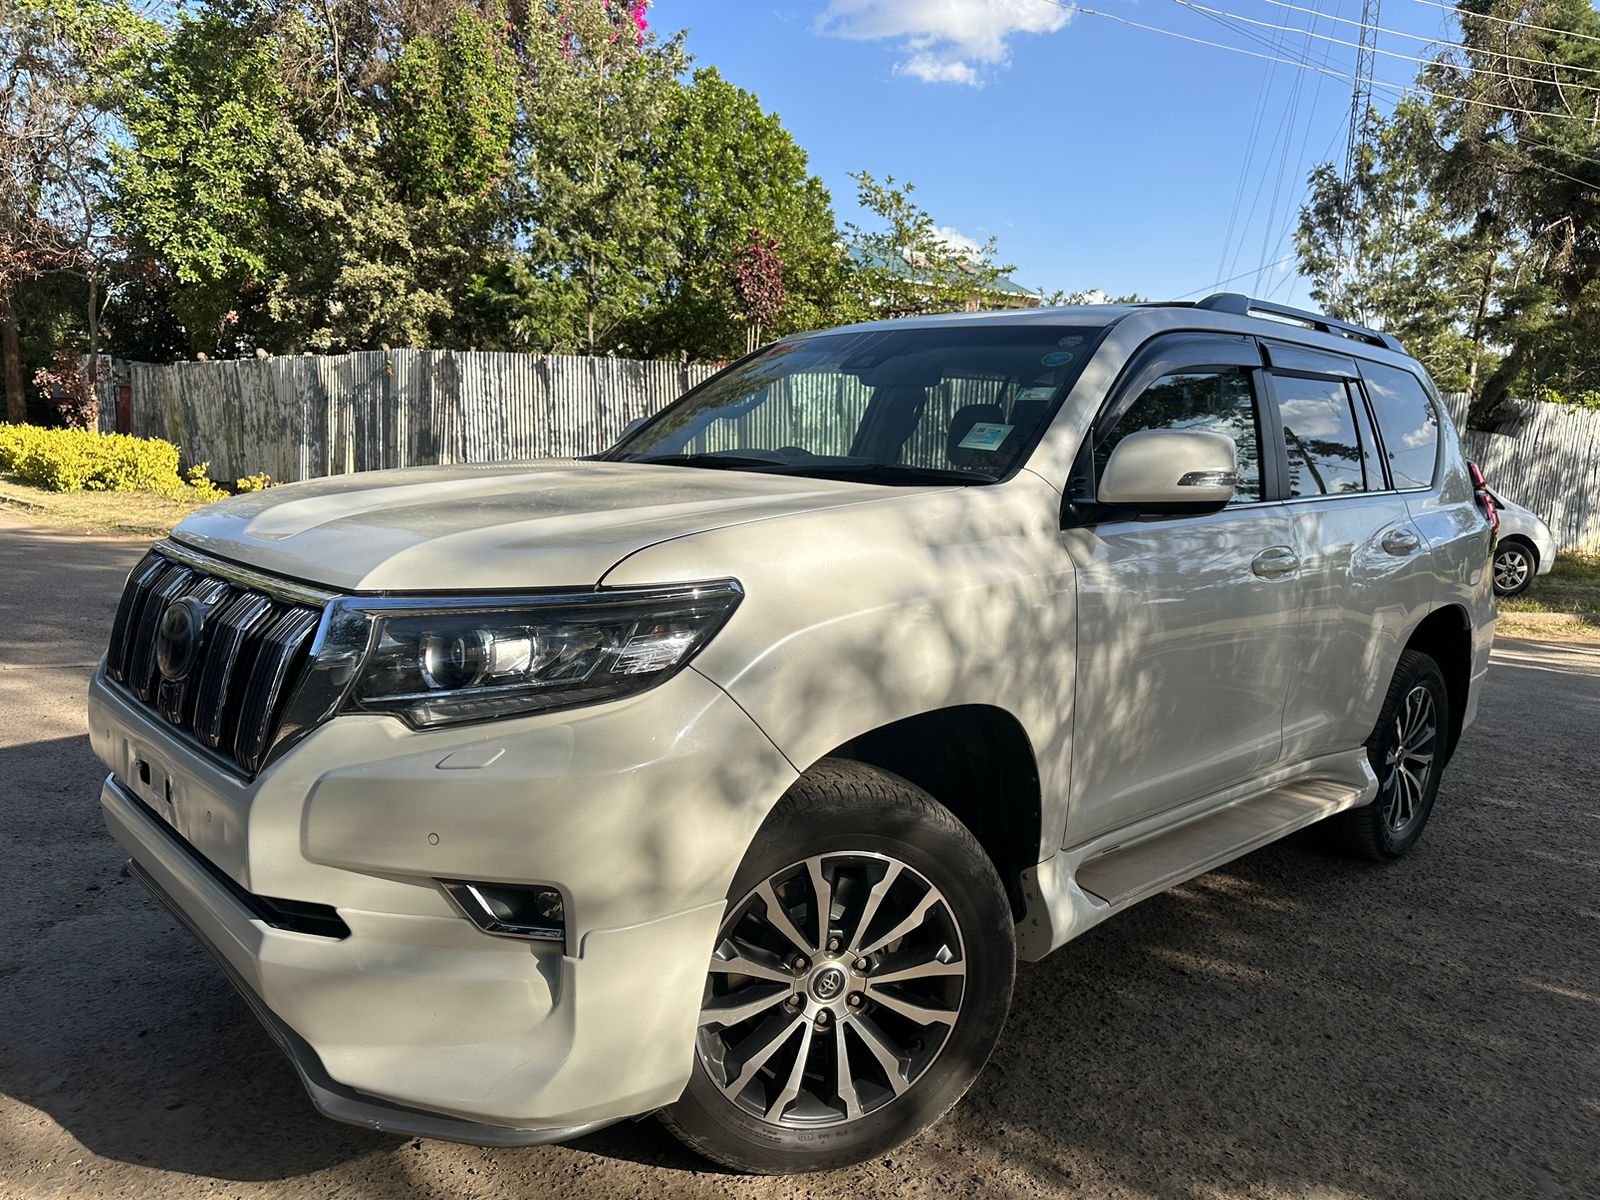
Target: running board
[[1127, 873]]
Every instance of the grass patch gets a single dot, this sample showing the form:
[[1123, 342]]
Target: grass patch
[[132, 514], [1573, 587]]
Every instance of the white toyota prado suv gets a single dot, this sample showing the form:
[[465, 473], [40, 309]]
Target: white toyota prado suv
[[727, 774]]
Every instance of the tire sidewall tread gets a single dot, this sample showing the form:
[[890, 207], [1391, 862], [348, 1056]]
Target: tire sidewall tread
[[1365, 833], [1533, 566], [841, 805]]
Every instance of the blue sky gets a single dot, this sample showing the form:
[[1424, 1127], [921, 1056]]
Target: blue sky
[[1099, 155]]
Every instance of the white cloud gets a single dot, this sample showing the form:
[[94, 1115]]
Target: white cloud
[[945, 41], [957, 240]]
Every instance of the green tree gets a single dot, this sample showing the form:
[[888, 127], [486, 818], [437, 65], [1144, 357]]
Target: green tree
[[1522, 157], [904, 266], [61, 63], [321, 179], [1383, 249], [728, 168], [596, 244], [455, 106], [208, 125], [1470, 223], [1089, 296]]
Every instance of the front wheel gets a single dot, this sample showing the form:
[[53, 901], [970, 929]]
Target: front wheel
[[1514, 568], [859, 982]]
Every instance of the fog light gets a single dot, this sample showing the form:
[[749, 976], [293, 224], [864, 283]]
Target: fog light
[[511, 910]]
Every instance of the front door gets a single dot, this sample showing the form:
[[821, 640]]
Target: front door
[[1186, 624]]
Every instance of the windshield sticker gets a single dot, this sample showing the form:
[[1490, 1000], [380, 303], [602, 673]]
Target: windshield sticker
[[1033, 393], [984, 436], [1057, 358]]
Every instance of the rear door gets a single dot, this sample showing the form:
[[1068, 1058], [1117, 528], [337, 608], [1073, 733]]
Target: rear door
[[1186, 624], [1364, 570]]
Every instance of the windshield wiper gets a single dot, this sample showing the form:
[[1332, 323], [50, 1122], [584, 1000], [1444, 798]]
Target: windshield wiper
[[731, 461], [868, 472], [896, 473]]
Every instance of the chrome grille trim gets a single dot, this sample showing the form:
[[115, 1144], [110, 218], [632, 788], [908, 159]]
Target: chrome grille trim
[[255, 646], [175, 697], [141, 676], [279, 650], [235, 624], [140, 581]]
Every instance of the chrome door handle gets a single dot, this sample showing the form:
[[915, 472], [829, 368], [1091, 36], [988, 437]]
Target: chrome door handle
[[1275, 562], [1400, 542]]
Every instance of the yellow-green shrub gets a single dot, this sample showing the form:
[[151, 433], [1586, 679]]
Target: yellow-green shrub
[[71, 460], [258, 482], [200, 481]]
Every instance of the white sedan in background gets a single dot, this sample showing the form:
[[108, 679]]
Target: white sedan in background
[[1526, 548]]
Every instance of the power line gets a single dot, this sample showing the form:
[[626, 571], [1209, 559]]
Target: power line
[[1451, 9], [1332, 74], [1362, 47], [1445, 42], [1291, 198], [1293, 216], [1283, 138], [1231, 278], [1285, 133], [1523, 138], [1360, 104], [1262, 91]]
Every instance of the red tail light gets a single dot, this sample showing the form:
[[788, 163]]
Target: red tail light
[[1480, 489]]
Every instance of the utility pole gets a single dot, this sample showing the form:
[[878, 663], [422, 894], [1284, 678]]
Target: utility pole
[[1360, 101]]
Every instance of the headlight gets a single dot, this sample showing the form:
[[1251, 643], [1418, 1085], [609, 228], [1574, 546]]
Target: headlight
[[462, 659]]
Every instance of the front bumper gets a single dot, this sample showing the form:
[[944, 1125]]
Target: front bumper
[[418, 1022], [333, 1099]]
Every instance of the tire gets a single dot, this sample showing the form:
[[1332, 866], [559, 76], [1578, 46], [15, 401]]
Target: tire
[[869, 833], [1417, 700], [1514, 565]]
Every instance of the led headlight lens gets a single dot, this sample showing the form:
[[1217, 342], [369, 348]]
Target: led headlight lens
[[455, 661]]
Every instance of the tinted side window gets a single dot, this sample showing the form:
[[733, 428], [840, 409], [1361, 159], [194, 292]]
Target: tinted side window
[[1214, 401], [1319, 436], [1408, 422]]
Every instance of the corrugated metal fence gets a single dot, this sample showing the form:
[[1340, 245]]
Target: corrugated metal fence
[[304, 417], [1547, 459], [300, 418]]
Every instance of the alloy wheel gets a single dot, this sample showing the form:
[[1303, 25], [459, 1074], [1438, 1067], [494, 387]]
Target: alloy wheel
[[1410, 759], [834, 986], [1511, 569]]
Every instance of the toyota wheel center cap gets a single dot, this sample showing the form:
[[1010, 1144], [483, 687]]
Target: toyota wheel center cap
[[827, 985]]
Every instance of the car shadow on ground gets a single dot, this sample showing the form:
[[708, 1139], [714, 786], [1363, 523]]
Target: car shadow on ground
[[1293, 1023], [119, 1026]]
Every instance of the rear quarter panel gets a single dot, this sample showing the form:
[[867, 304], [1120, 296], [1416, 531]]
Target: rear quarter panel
[[1459, 542]]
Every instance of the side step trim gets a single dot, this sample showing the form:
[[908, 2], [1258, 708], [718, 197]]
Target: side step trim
[[1075, 889], [1128, 873]]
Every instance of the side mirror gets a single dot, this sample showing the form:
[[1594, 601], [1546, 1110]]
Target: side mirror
[[1170, 471], [629, 429]]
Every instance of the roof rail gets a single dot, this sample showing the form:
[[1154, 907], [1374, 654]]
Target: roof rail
[[1241, 305]]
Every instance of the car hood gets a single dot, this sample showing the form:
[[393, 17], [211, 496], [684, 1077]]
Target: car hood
[[507, 526]]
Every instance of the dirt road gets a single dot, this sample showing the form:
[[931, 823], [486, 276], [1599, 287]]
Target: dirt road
[[1291, 1026]]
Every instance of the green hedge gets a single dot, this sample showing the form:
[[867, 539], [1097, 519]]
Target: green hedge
[[73, 460]]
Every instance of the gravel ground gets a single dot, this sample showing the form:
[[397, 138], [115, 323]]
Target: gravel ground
[[1290, 1026]]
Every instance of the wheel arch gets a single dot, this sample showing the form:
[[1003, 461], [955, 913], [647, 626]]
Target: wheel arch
[[1527, 543], [1445, 635], [978, 761]]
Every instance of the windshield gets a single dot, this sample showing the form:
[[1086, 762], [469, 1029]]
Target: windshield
[[942, 405]]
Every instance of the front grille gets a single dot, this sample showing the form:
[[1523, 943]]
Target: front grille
[[252, 647]]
